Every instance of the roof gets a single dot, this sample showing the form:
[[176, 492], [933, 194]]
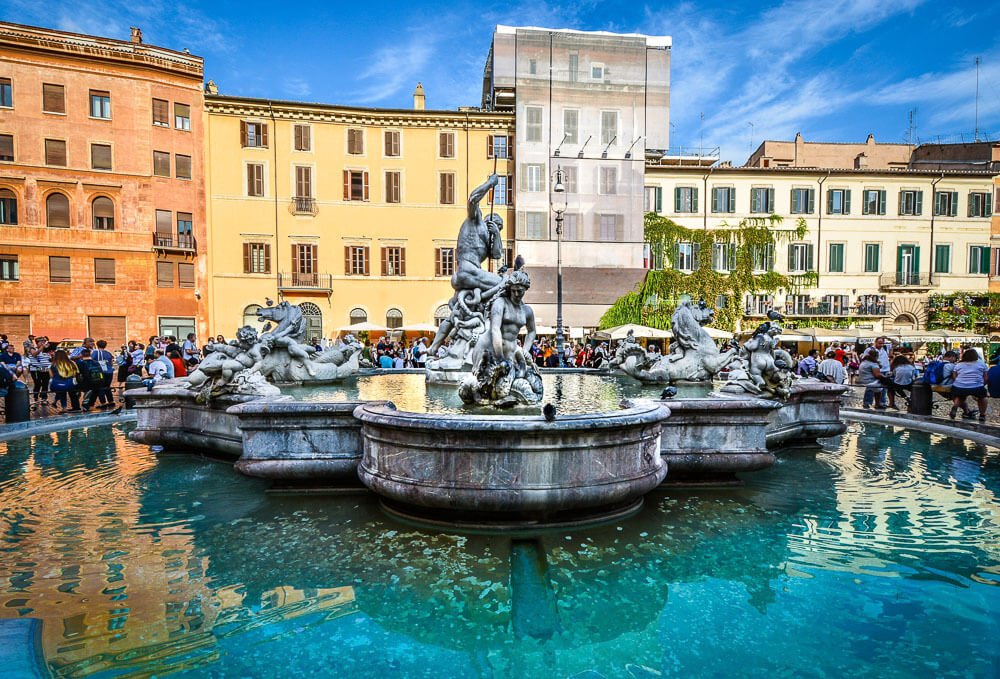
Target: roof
[[653, 169], [651, 40]]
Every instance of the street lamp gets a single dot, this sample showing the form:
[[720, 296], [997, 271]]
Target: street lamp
[[559, 201]]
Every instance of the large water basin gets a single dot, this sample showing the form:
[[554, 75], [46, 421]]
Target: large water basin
[[573, 393], [875, 555]]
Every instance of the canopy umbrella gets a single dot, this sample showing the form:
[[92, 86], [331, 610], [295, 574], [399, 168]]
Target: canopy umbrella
[[715, 333], [621, 332], [939, 335], [364, 326], [420, 327], [819, 335]]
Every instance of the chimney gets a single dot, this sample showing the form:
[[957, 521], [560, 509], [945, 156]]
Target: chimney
[[136, 35], [419, 100]]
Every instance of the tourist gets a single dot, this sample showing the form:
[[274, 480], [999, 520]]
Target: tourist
[[63, 383], [150, 350], [179, 364], [39, 365], [853, 364], [808, 365], [832, 368], [384, 360], [106, 361], [870, 375], [91, 378], [10, 358], [969, 380], [124, 361], [993, 377], [88, 344], [904, 374], [189, 350]]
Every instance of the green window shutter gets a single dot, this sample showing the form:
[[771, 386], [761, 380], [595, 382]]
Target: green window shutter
[[811, 207], [942, 257], [829, 201], [989, 204], [970, 201], [954, 203], [900, 210], [659, 200], [731, 199], [694, 199], [984, 260], [677, 199], [937, 203], [796, 208], [916, 259], [899, 258], [791, 257], [770, 201], [716, 207], [809, 257], [695, 251], [881, 202], [754, 200], [919, 203], [677, 256], [847, 202]]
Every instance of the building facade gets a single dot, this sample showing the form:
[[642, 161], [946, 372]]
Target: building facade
[[351, 213], [879, 241], [101, 194], [588, 105]]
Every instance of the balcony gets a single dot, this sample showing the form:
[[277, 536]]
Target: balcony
[[861, 308], [303, 206], [168, 242], [305, 282], [906, 280]]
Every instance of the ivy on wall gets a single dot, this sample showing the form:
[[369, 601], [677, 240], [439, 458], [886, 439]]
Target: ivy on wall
[[975, 311], [654, 303]]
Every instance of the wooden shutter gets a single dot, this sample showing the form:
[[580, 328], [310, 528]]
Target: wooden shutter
[[303, 182], [385, 261], [402, 261], [164, 222], [266, 247], [829, 201], [161, 164], [244, 141], [100, 156], [365, 253], [104, 270], [182, 111], [489, 149], [161, 112], [182, 166], [59, 270], [103, 207], [185, 275], [55, 152], [296, 258], [255, 179], [164, 274], [57, 211], [437, 262], [6, 147], [247, 261], [446, 143], [364, 179], [347, 260], [347, 184], [53, 98], [263, 134]]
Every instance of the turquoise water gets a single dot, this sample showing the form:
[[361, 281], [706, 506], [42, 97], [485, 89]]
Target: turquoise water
[[876, 556]]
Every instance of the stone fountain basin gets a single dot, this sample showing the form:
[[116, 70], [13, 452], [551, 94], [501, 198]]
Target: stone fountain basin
[[500, 468]]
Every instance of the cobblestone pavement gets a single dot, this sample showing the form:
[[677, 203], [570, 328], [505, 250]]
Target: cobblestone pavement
[[941, 407]]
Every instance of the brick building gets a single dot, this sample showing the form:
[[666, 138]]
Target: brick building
[[101, 191]]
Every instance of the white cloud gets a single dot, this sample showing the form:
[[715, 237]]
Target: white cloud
[[296, 87], [391, 69]]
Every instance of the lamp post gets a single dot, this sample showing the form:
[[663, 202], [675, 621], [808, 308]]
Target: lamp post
[[559, 207]]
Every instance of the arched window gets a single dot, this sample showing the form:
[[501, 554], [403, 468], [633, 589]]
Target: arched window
[[57, 211], [442, 313], [104, 214], [314, 321], [393, 319], [358, 316], [250, 315], [8, 207]]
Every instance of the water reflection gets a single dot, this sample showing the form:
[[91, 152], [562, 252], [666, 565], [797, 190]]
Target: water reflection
[[882, 549]]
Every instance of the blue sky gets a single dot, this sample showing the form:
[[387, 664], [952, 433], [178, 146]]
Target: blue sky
[[834, 70]]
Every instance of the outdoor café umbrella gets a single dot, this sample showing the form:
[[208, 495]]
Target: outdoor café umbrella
[[818, 335], [420, 327], [621, 332], [364, 326]]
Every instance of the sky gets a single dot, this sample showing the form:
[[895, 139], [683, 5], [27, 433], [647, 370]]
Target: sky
[[834, 70]]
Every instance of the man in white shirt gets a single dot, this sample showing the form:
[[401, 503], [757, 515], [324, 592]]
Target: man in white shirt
[[832, 368]]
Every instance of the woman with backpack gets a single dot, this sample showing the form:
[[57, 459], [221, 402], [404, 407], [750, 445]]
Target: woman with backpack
[[970, 380], [64, 381]]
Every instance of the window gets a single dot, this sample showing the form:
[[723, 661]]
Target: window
[[533, 66], [100, 104], [571, 126], [53, 98], [355, 185], [569, 179], [8, 207], [946, 203], [6, 93], [574, 67], [392, 186], [392, 143], [838, 202], [685, 258], [800, 257], [393, 319], [873, 257], [100, 156], [161, 113], [305, 265], [303, 186], [685, 199], [182, 121], [393, 261], [503, 193], [533, 123], [164, 274], [597, 71], [185, 275], [532, 226], [446, 144], [104, 214], [59, 270], [498, 146], [762, 200], [533, 177], [723, 256], [447, 188], [609, 181], [803, 201], [609, 127], [356, 260], [571, 226], [8, 268], [7, 147], [255, 179], [441, 314], [104, 271], [653, 199], [182, 166], [723, 199], [797, 304], [161, 164], [355, 141], [55, 152], [57, 211], [164, 227], [979, 259], [762, 257], [612, 227], [302, 138], [910, 202], [874, 202], [253, 135], [444, 261], [942, 258], [758, 305], [185, 226], [836, 258], [980, 203], [836, 305], [256, 258], [358, 316]]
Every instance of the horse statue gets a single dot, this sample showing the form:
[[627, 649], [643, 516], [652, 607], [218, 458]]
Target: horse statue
[[693, 357]]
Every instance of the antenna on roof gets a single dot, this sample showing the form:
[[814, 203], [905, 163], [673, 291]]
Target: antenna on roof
[[978, 60], [912, 127]]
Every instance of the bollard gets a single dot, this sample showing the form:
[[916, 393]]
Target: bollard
[[921, 398], [17, 403]]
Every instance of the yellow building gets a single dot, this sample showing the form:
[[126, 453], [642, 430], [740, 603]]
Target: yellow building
[[350, 212]]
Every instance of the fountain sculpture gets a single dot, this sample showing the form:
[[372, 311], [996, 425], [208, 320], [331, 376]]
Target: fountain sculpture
[[762, 368]]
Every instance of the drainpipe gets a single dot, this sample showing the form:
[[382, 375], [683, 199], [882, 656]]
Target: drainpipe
[[819, 226], [704, 202], [274, 190], [930, 272]]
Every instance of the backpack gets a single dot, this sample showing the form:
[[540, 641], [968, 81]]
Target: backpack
[[934, 373], [92, 373]]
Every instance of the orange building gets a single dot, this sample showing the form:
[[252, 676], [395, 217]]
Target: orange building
[[101, 187]]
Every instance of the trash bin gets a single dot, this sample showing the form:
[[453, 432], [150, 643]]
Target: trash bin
[[132, 382], [17, 404], [921, 399]]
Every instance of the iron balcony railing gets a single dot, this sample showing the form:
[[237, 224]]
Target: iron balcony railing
[[305, 281], [171, 241], [906, 279], [305, 206]]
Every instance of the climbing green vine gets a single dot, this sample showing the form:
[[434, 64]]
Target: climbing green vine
[[654, 303]]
